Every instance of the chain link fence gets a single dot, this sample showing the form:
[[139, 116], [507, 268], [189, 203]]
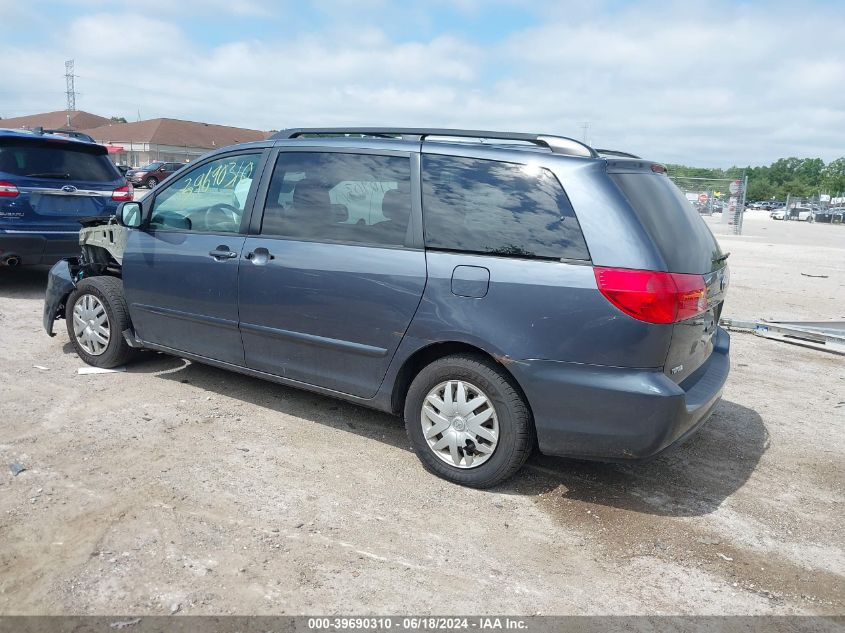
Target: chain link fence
[[709, 196]]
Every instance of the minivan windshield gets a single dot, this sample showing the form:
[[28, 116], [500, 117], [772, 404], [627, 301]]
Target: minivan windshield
[[59, 161], [676, 228]]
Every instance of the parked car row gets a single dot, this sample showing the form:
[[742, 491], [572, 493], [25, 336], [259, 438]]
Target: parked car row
[[766, 205], [810, 214], [834, 215]]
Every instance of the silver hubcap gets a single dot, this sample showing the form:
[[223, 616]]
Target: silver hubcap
[[459, 423], [91, 325]]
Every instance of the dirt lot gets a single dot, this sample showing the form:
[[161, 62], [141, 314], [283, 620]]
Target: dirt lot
[[176, 487]]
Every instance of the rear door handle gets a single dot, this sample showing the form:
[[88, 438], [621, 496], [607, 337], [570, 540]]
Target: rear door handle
[[222, 253], [260, 256]]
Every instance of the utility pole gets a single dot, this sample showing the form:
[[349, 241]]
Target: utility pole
[[70, 89], [585, 126]]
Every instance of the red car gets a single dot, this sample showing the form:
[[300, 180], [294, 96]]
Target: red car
[[150, 175]]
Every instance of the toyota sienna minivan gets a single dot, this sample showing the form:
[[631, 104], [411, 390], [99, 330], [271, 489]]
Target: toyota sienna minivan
[[498, 290]]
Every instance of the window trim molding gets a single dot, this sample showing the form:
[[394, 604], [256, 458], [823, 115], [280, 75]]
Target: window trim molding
[[284, 238], [526, 258]]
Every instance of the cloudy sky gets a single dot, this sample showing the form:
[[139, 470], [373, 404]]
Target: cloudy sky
[[706, 83]]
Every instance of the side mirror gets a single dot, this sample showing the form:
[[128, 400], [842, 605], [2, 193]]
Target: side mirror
[[129, 214]]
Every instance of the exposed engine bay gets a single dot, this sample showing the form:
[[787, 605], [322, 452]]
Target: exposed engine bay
[[102, 241]]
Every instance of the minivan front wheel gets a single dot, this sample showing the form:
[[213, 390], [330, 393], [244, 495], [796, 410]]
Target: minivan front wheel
[[151, 182], [96, 316], [467, 422]]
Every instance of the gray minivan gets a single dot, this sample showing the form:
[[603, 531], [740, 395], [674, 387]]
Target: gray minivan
[[499, 290]]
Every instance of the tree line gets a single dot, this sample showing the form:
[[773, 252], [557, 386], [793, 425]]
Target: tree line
[[804, 177]]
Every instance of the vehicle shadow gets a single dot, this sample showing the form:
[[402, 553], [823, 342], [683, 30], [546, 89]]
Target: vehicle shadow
[[285, 400], [29, 282], [692, 479]]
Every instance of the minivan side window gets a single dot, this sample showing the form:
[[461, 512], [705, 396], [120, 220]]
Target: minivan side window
[[337, 197], [498, 208], [210, 198]]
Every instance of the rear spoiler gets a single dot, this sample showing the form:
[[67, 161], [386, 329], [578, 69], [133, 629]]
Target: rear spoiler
[[610, 153], [71, 143], [634, 165]]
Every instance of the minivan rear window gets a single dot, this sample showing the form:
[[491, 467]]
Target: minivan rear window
[[55, 160], [498, 208], [675, 227]]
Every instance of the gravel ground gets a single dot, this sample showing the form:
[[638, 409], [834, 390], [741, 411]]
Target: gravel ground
[[175, 487]]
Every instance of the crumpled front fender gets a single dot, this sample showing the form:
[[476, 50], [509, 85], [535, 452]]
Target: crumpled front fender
[[60, 283]]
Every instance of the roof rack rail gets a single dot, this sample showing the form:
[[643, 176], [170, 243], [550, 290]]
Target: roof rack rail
[[557, 144], [617, 153], [81, 136]]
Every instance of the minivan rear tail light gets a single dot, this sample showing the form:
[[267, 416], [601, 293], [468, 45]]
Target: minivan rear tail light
[[651, 296], [8, 189], [122, 194]]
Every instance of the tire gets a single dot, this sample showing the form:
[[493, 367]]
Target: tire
[[511, 417], [150, 182], [99, 298]]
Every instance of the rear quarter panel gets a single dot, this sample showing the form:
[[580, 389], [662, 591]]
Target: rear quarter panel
[[534, 310]]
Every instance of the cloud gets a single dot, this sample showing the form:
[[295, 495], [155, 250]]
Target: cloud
[[713, 85]]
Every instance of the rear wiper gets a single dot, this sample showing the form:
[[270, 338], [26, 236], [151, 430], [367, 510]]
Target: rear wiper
[[722, 257], [49, 174]]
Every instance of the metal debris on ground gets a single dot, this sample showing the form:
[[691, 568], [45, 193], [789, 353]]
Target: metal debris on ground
[[16, 469], [815, 276], [828, 336], [82, 371]]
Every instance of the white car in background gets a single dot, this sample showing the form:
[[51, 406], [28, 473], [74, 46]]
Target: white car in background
[[803, 214], [778, 214]]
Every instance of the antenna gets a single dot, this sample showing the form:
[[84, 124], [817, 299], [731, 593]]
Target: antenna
[[70, 90]]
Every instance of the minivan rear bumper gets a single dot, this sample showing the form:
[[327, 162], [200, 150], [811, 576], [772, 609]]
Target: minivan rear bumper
[[614, 413]]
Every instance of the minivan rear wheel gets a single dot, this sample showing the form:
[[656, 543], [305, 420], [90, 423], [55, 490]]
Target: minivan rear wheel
[[96, 316], [467, 421]]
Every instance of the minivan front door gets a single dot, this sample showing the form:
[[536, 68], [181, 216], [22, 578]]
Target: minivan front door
[[331, 282], [180, 273]]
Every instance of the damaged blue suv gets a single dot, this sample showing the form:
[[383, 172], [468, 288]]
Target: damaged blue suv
[[499, 290]]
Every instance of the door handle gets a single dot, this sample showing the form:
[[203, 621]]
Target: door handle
[[222, 253], [260, 256]]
